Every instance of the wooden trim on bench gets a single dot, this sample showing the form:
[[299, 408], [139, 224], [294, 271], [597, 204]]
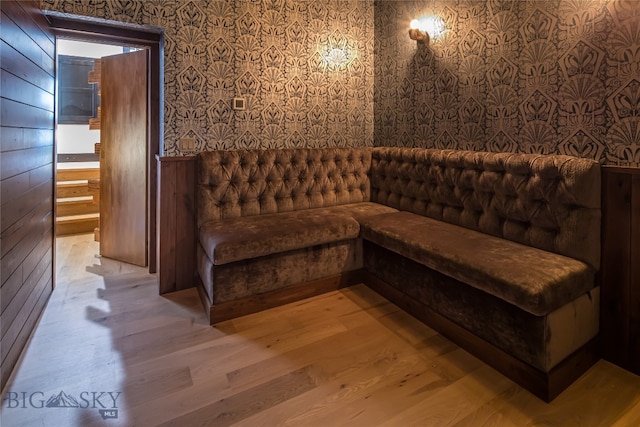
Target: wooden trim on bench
[[544, 385], [204, 298], [176, 223], [255, 303]]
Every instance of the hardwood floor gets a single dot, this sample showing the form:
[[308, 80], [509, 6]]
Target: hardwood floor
[[348, 357]]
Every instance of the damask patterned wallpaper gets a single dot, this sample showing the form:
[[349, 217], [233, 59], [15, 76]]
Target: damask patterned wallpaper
[[304, 67], [549, 76], [554, 76]]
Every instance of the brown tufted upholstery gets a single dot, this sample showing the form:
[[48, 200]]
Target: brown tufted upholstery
[[237, 239], [268, 219], [474, 247], [532, 279], [548, 202], [253, 182]]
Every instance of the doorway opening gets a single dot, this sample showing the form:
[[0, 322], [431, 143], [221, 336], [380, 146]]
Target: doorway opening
[[150, 39], [79, 80]]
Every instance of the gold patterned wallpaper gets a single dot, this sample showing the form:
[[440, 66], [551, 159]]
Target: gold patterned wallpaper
[[555, 76], [548, 76], [304, 68]]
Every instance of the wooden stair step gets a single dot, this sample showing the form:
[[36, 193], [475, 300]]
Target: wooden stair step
[[72, 189], [77, 174], [76, 206], [71, 218], [76, 224]]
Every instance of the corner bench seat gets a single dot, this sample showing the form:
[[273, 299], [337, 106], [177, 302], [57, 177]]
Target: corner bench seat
[[534, 280], [498, 251]]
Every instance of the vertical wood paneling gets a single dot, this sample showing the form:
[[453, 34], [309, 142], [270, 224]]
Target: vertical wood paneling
[[166, 226], [616, 189], [620, 293], [26, 159], [634, 291], [186, 234], [176, 223]]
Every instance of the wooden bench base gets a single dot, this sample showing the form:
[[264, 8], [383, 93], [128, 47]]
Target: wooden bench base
[[253, 304], [545, 385]]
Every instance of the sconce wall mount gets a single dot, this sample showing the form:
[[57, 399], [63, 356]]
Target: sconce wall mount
[[421, 30], [419, 35]]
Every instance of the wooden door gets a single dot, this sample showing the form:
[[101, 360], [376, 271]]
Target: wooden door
[[123, 154]]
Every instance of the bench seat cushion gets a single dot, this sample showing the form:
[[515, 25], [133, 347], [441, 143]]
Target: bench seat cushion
[[535, 280], [237, 239], [357, 211]]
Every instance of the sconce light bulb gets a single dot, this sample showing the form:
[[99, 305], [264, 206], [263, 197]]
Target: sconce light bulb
[[417, 33]]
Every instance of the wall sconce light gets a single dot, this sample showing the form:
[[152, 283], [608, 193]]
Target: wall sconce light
[[425, 28], [337, 52], [336, 57], [417, 33]]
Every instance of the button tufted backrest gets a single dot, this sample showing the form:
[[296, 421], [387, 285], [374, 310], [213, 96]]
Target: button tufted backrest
[[548, 202], [252, 182]]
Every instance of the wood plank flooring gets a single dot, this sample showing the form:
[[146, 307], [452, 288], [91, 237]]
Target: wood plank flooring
[[348, 357]]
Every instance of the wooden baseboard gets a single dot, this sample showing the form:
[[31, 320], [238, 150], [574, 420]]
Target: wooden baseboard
[[278, 297], [542, 384]]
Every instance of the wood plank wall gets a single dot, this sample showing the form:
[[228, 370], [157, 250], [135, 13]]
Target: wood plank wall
[[620, 293], [176, 223], [27, 59]]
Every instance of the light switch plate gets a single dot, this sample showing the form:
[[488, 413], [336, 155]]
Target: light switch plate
[[239, 104], [187, 144]]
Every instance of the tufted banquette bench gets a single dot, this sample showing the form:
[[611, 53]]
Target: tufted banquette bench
[[497, 251], [275, 226]]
